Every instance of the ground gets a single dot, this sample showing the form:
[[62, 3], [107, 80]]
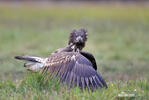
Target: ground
[[117, 36]]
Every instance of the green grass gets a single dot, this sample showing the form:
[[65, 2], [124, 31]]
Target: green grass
[[117, 36], [31, 88]]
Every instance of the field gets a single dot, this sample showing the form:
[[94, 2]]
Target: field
[[118, 36]]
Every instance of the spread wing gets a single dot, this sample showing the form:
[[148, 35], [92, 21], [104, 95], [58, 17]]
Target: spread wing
[[74, 70]]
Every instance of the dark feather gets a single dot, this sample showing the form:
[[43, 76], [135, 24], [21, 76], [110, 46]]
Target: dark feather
[[74, 80], [99, 82], [70, 79], [102, 81], [90, 57], [63, 76], [25, 58], [75, 70], [91, 82], [87, 82], [78, 81], [94, 81], [83, 84]]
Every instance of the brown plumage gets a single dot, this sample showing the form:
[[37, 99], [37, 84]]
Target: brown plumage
[[71, 65], [73, 69]]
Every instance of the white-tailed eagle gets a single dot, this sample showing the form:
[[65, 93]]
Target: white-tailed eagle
[[70, 64]]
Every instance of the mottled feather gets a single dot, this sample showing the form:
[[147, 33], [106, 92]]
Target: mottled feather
[[74, 70]]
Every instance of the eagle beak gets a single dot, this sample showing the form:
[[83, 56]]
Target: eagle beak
[[79, 39]]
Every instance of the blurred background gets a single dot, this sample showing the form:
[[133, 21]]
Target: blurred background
[[118, 34]]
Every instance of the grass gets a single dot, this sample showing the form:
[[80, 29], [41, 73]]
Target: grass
[[30, 88], [118, 38]]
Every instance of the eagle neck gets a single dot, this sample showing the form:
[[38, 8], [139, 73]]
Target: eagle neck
[[75, 48]]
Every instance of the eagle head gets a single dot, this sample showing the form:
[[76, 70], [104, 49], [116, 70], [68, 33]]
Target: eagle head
[[78, 38]]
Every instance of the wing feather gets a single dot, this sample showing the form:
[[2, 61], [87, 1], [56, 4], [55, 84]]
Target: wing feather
[[98, 81], [78, 81], [94, 80], [83, 84], [63, 76], [87, 82], [74, 70], [91, 81], [70, 79], [74, 80]]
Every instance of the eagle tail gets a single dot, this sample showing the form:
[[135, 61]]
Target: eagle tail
[[33, 64]]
